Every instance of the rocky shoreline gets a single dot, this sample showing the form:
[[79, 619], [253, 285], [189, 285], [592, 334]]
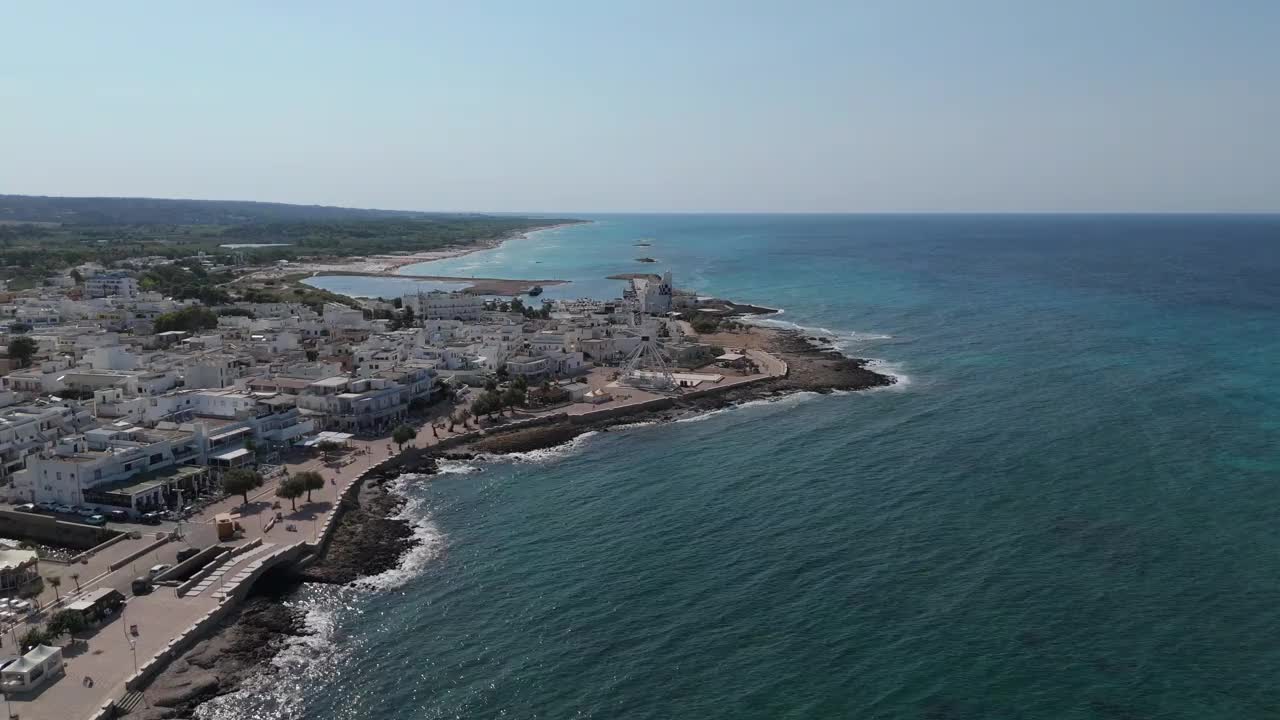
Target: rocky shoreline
[[812, 367], [369, 539]]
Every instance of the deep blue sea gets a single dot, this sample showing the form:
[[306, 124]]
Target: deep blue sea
[[1068, 508]]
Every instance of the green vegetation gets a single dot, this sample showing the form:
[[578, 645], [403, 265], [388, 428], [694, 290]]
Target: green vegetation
[[291, 488], [402, 435], [21, 349], [190, 319], [41, 236], [240, 482], [66, 622], [36, 636], [704, 324], [311, 480], [187, 279]]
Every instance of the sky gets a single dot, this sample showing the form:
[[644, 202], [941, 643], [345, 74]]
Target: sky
[[604, 106]]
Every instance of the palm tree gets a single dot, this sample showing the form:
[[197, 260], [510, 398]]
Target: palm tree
[[56, 582], [75, 577]]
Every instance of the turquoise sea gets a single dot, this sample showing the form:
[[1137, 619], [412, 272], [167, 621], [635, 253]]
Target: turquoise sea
[[1068, 508]]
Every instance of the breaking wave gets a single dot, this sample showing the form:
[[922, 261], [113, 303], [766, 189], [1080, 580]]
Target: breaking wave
[[428, 539]]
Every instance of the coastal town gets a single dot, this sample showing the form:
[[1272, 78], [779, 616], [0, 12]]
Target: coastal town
[[159, 456]]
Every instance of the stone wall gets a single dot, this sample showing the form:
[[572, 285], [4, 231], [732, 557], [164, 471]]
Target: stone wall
[[48, 530]]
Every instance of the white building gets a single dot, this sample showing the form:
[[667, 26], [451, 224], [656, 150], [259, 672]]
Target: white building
[[111, 284], [125, 467], [31, 428], [652, 298], [439, 305]]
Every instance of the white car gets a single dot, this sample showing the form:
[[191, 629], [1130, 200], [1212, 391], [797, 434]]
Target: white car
[[157, 569]]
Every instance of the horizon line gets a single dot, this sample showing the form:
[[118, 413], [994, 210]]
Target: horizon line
[[526, 212]]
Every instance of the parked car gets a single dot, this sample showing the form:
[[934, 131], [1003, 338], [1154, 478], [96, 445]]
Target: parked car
[[157, 569], [46, 506], [85, 512], [151, 518], [119, 515], [65, 509], [95, 520], [25, 507]]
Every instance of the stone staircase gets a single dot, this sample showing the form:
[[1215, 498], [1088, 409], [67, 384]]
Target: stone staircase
[[128, 703]]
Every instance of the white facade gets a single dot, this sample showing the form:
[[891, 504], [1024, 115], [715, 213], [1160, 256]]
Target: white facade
[[113, 284], [438, 305]]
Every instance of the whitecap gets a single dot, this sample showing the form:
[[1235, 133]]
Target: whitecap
[[892, 369], [428, 539], [781, 401], [542, 455]]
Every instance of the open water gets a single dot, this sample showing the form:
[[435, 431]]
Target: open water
[[1068, 508]]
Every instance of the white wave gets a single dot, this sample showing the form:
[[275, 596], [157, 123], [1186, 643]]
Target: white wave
[[301, 663], [634, 425], [543, 455], [456, 467], [781, 401], [841, 340], [428, 539], [894, 370]]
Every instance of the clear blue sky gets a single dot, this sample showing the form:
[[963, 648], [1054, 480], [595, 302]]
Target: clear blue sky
[[552, 105]]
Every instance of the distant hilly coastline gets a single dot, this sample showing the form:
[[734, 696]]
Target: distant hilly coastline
[[149, 211], [41, 235]]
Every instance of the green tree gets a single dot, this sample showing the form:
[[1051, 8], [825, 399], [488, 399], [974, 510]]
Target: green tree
[[33, 637], [328, 446], [21, 349], [403, 434], [67, 622], [512, 397], [488, 403], [240, 481], [291, 488], [190, 319], [464, 414], [76, 277], [311, 480]]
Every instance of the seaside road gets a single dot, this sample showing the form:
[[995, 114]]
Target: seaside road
[[109, 657]]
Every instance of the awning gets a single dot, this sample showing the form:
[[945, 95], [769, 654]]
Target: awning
[[228, 435], [326, 436], [233, 455]]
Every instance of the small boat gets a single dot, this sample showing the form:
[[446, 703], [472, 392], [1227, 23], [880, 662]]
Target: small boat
[[535, 290]]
